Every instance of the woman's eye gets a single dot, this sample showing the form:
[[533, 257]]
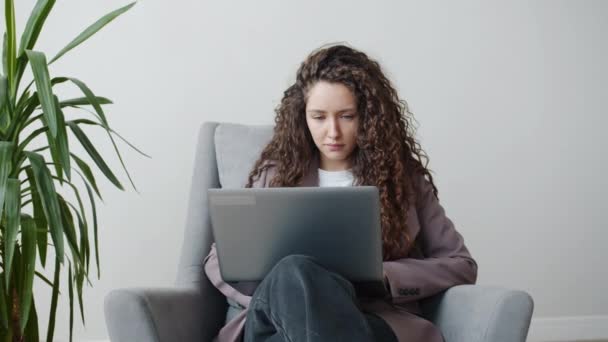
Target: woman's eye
[[349, 117], [318, 118]]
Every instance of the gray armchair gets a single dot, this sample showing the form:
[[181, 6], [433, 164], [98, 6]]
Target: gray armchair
[[194, 310]]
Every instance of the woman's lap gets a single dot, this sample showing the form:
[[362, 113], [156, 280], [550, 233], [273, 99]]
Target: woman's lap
[[301, 300]]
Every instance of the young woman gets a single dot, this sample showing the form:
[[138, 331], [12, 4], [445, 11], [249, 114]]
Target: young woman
[[342, 124]]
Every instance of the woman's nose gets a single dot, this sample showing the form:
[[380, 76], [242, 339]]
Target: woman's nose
[[334, 130]]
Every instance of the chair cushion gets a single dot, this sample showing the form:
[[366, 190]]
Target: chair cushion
[[237, 147]]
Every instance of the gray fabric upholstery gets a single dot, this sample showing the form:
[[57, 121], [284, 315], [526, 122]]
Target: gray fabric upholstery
[[474, 313], [174, 314], [194, 310], [237, 147]]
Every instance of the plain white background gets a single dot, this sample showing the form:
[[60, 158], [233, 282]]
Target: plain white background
[[509, 99]]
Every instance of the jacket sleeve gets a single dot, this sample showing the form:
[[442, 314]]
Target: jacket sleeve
[[212, 269], [446, 262], [212, 266]]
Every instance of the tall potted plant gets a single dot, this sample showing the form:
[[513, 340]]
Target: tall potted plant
[[35, 157]]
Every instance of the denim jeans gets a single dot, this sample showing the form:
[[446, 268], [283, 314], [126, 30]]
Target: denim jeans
[[299, 300]]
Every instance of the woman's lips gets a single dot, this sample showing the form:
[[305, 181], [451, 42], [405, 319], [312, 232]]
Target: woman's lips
[[335, 147]]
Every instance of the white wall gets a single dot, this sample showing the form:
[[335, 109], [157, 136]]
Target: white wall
[[508, 96]]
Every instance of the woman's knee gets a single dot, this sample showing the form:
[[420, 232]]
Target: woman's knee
[[305, 271], [287, 276]]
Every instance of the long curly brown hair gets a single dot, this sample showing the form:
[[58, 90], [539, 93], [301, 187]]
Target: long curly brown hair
[[387, 154]]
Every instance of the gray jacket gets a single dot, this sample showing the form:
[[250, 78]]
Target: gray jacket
[[443, 262]]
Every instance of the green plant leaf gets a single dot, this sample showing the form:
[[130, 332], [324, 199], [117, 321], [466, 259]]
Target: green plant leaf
[[4, 114], [39, 217], [53, 311], [44, 89], [36, 273], [79, 282], [31, 330], [28, 248], [3, 91], [41, 149], [13, 210], [60, 152], [131, 145], [93, 123], [82, 224], [43, 278], [54, 81], [4, 122], [84, 236], [91, 30], [54, 152], [5, 53], [6, 152], [17, 125], [22, 105], [88, 146], [30, 120], [79, 270], [11, 43], [29, 138], [31, 32], [86, 170], [30, 103], [50, 204], [80, 209], [5, 119], [3, 306], [83, 101], [43, 129], [34, 24], [17, 276], [89, 94], [71, 295], [94, 211], [70, 232]]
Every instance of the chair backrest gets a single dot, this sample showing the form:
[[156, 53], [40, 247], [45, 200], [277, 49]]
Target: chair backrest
[[225, 155]]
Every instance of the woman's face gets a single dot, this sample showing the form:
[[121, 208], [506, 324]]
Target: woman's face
[[332, 118]]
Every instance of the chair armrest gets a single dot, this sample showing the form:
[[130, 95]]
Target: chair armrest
[[159, 315], [475, 313]]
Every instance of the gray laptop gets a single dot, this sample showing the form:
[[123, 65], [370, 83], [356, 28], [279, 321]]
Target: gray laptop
[[254, 228]]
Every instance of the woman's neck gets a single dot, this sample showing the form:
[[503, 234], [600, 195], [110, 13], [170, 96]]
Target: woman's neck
[[335, 165]]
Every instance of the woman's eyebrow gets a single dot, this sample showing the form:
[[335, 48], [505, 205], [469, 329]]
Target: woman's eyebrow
[[323, 112]]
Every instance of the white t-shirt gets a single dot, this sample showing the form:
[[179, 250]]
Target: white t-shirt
[[335, 178]]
